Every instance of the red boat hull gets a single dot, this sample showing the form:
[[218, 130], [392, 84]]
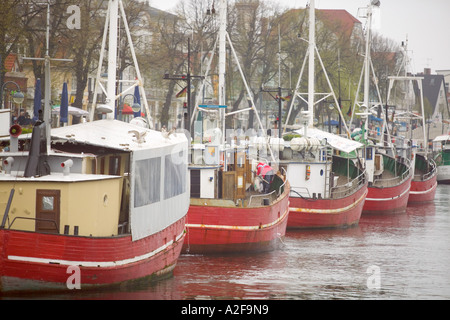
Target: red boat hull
[[32, 261], [388, 200], [326, 213], [423, 191], [220, 229]]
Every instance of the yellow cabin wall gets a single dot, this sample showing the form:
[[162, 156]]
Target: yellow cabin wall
[[93, 206]]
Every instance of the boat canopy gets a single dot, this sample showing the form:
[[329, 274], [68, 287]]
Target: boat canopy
[[117, 135], [442, 138], [335, 141]]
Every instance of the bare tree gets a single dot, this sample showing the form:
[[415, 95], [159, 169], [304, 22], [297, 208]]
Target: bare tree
[[17, 17]]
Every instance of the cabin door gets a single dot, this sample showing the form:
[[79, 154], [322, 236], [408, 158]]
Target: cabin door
[[48, 211], [195, 183]]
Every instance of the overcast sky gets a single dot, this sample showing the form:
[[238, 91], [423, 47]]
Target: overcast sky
[[425, 23]]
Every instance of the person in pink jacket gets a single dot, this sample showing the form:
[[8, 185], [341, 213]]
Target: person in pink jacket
[[266, 173]]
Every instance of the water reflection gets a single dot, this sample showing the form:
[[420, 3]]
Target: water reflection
[[410, 250]]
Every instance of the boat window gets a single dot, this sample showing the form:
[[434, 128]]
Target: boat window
[[102, 165], [369, 155], [114, 166], [175, 175], [94, 166], [147, 182], [48, 203], [241, 160]]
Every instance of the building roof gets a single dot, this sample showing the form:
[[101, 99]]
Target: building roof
[[12, 63], [432, 85], [338, 17], [335, 19]]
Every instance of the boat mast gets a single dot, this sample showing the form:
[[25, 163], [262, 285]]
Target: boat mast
[[47, 84], [367, 70], [110, 91], [310, 55], [112, 58], [409, 79], [311, 49], [222, 61]]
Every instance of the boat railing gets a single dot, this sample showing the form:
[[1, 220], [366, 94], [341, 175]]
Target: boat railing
[[348, 188], [53, 222], [258, 200], [302, 192], [267, 198], [396, 180], [429, 174], [122, 228], [281, 188]]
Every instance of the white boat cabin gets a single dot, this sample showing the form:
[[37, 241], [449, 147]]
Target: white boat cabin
[[315, 169]]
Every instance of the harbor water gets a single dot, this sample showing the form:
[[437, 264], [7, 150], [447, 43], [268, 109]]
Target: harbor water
[[404, 256]]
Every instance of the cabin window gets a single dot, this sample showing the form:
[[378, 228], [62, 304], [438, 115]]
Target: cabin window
[[114, 166], [369, 154], [94, 166], [147, 182], [48, 203], [102, 165], [174, 175]]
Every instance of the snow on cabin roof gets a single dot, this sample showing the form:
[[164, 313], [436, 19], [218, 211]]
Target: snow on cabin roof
[[337, 142], [116, 134], [442, 138]]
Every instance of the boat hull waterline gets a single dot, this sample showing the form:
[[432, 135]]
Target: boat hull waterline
[[423, 191], [388, 200], [220, 229], [32, 261], [306, 213]]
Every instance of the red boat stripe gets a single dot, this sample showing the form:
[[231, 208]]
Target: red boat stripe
[[426, 191], [244, 228], [330, 211], [103, 264], [389, 199]]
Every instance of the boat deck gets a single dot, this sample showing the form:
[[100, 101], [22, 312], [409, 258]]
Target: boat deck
[[344, 187], [252, 199], [386, 179]]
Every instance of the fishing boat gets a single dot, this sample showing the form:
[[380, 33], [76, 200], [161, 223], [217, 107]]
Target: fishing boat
[[226, 214], [403, 92], [328, 179], [441, 148], [101, 204], [424, 183], [328, 184], [389, 183], [389, 173]]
